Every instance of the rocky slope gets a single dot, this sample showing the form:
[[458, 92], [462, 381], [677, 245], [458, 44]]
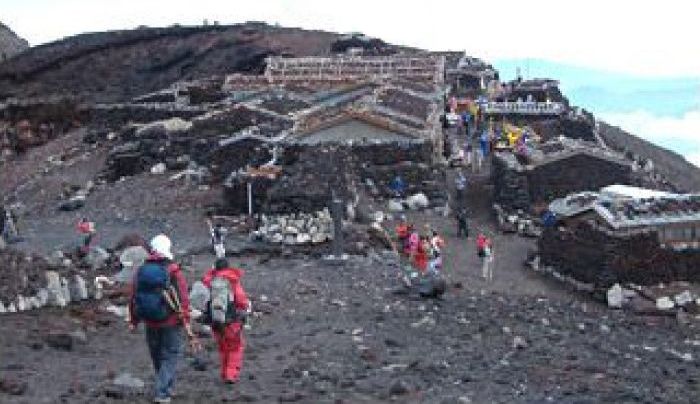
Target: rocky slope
[[671, 165], [119, 65], [10, 43]]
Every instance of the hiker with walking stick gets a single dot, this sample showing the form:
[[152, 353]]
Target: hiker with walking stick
[[159, 298]]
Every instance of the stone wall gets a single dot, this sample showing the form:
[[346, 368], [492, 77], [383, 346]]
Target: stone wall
[[518, 186], [311, 173], [577, 173], [510, 189], [591, 255]]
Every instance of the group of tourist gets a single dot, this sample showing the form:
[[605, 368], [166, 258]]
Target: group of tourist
[[424, 251]]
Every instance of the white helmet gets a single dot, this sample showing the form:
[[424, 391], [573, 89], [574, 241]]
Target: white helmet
[[161, 244]]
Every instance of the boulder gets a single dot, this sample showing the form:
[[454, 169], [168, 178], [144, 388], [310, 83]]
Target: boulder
[[683, 298], [97, 257], [664, 303], [395, 205], [417, 201], [65, 290], [615, 297], [131, 258], [22, 303], [199, 296], [158, 169], [43, 296], [78, 289], [128, 381], [72, 204], [399, 388], [54, 289], [60, 340], [519, 342]]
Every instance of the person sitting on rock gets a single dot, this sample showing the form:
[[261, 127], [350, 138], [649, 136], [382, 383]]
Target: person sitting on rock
[[226, 311]]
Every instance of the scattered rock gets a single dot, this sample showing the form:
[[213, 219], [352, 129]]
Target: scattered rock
[[394, 205], [78, 289], [664, 303], [131, 258], [158, 169], [128, 381], [615, 297], [72, 204], [199, 296], [519, 342], [13, 387], [55, 289], [291, 397], [417, 201], [97, 257], [60, 340], [683, 298], [399, 388]]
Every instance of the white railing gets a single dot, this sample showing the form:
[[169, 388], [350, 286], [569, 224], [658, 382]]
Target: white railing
[[525, 108]]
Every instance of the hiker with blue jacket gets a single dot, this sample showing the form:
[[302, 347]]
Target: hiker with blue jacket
[[159, 298]]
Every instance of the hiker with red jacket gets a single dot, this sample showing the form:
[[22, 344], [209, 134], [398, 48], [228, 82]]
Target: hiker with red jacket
[[226, 311], [159, 298]]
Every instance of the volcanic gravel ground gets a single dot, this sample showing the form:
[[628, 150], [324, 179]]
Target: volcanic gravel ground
[[324, 332]]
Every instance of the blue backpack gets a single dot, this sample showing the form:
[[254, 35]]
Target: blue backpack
[[152, 282]]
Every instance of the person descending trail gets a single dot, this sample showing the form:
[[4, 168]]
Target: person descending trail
[[226, 312], [159, 298], [437, 245], [462, 225], [485, 253]]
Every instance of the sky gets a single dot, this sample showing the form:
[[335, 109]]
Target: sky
[[628, 41]]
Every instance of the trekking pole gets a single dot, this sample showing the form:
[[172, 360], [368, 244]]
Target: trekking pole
[[174, 302]]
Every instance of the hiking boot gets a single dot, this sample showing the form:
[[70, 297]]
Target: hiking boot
[[161, 400]]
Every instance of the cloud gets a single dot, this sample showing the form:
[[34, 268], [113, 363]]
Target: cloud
[[681, 134], [694, 158], [650, 38]]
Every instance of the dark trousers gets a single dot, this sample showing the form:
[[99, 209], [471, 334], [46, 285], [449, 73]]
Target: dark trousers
[[462, 228], [165, 347]]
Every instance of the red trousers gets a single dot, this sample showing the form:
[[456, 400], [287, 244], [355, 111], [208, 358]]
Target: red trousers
[[231, 345]]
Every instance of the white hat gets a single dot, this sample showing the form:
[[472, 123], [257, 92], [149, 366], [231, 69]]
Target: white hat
[[161, 244]]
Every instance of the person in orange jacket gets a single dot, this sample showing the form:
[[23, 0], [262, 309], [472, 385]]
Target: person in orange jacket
[[229, 336]]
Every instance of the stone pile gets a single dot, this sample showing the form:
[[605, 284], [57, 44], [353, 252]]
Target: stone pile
[[296, 229], [29, 282], [58, 292], [517, 222]]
